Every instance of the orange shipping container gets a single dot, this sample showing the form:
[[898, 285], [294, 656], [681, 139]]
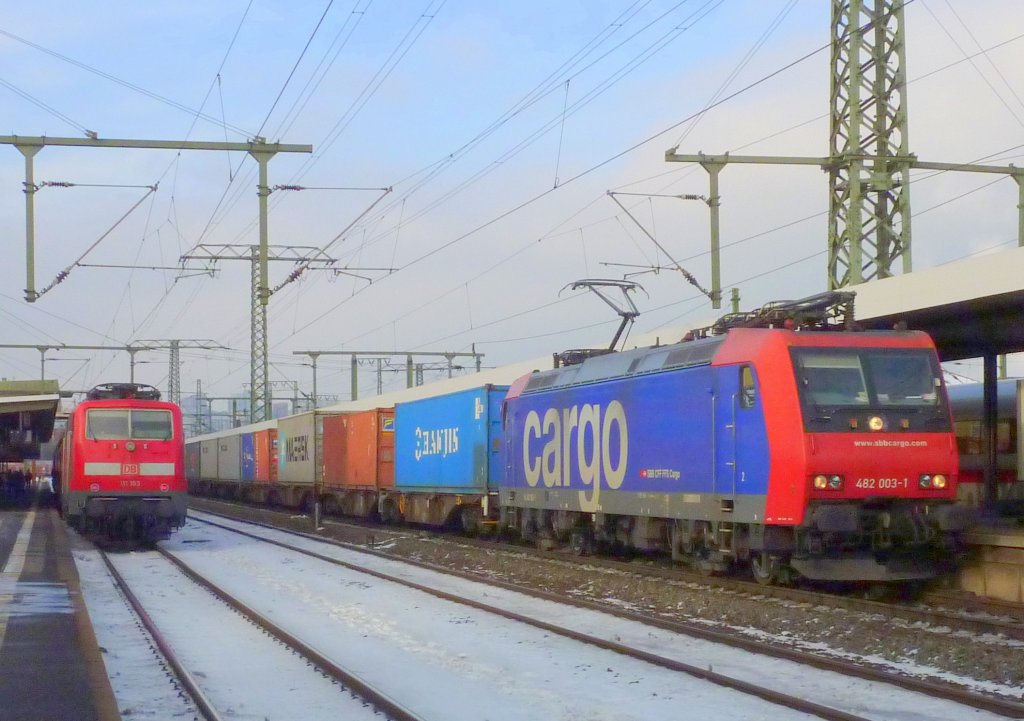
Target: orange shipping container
[[265, 449], [359, 449]]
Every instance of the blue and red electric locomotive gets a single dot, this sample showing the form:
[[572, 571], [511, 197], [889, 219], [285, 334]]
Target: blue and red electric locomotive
[[119, 469], [769, 439]]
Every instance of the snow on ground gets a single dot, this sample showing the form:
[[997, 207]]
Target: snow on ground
[[451, 662]]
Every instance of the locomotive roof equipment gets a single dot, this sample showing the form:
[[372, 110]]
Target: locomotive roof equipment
[[123, 391]]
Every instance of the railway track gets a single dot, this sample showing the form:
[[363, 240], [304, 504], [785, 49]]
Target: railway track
[[937, 608], [215, 704], [797, 701]]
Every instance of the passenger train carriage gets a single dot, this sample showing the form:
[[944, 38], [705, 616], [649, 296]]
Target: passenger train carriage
[[119, 469], [966, 403], [828, 454]]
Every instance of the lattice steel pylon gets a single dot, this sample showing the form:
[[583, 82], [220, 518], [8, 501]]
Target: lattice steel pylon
[[260, 394], [304, 258], [869, 163], [174, 373]]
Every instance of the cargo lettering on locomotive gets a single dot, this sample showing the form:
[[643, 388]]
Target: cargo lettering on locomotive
[[593, 460], [436, 442]]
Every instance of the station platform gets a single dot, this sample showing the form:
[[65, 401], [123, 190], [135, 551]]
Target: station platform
[[995, 566], [50, 664]]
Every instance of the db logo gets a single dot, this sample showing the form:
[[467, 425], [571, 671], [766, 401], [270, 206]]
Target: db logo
[[129, 469]]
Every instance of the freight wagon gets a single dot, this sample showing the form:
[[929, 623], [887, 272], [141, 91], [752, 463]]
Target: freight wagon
[[237, 464], [358, 461], [448, 463], [445, 452]]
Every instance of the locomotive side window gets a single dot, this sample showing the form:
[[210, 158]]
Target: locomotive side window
[[152, 425], [748, 391], [106, 425]]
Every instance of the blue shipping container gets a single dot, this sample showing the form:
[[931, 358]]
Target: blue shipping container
[[450, 443], [248, 457]]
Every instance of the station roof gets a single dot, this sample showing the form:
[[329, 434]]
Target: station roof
[[27, 413], [970, 307]]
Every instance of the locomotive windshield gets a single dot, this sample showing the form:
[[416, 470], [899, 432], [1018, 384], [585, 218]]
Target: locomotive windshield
[[124, 424], [836, 383]]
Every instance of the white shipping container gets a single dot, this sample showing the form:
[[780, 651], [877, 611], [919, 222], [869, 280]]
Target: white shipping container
[[229, 458]]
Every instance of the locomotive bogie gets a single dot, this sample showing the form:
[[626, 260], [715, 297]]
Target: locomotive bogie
[[126, 517]]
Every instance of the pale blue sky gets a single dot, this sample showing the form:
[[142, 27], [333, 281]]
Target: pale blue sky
[[387, 91]]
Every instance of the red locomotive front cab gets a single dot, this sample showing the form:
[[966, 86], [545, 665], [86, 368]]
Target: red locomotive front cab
[[863, 459], [123, 468]]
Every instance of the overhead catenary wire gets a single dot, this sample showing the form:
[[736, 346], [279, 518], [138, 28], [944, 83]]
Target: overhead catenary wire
[[530, 201], [694, 17], [409, 212], [67, 271], [818, 214], [51, 110], [123, 83]]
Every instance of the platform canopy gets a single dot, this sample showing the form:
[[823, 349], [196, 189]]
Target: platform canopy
[[970, 307], [27, 413]]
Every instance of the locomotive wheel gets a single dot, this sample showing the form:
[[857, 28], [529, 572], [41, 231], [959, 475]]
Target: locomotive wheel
[[765, 569], [581, 541], [703, 563]]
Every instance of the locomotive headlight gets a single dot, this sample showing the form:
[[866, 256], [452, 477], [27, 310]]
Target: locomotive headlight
[[130, 446], [876, 423], [925, 481], [937, 481], [823, 482]]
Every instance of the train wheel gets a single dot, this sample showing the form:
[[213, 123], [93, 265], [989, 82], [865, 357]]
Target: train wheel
[[469, 520], [581, 541], [331, 507], [703, 562], [765, 569]]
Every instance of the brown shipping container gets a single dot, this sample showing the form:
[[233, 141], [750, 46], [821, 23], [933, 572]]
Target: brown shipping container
[[359, 449], [265, 447]]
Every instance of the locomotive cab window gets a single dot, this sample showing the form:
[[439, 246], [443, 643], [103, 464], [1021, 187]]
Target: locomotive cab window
[[152, 425], [902, 387], [106, 425], [748, 391], [832, 378], [125, 424]]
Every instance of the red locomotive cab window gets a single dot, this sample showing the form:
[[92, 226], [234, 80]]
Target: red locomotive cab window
[[748, 390], [124, 424], [106, 425], [152, 425]]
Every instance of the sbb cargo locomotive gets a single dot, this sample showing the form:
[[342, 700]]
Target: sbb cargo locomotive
[[119, 469], [799, 449], [774, 439]]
